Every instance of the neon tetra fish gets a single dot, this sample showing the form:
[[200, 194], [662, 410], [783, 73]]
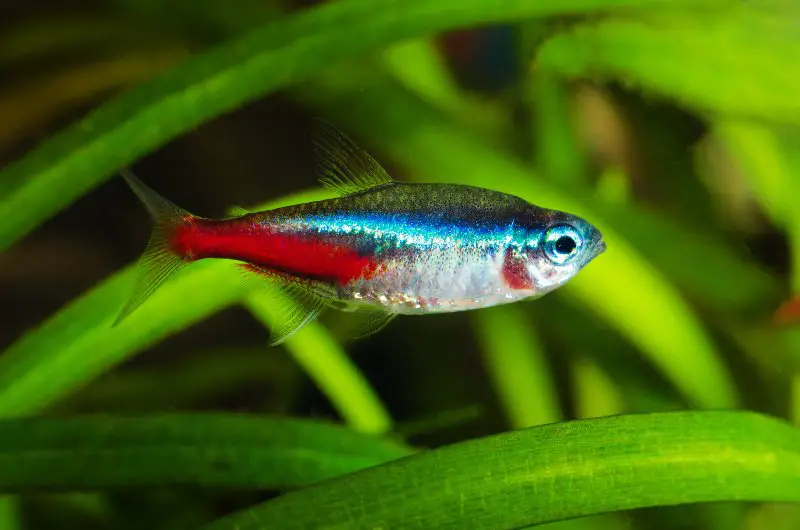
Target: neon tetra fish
[[381, 248]]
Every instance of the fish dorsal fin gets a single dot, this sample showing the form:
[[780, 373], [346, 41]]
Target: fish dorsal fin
[[344, 167]]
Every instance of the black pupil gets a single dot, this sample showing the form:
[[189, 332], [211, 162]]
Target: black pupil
[[565, 245]]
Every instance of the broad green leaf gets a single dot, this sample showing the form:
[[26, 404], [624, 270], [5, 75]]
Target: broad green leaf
[[729, 61], [78, 342], [660, 323], [219, 450], [554, 472], [227, 76]]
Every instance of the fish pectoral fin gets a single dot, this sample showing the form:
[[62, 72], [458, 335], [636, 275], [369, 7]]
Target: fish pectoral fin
[[297, 303], [363, 322], [344, 167]]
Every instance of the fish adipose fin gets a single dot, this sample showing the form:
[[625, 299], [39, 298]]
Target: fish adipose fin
[[344, 167], [158, 262], [300, 304]]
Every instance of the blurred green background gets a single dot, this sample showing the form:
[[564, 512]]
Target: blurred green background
[[671, 125]]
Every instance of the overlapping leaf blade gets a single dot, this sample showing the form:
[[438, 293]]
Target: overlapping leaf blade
[[554, 472]]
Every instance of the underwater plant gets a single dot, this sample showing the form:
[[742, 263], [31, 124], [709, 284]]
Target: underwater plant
[[654, 389]]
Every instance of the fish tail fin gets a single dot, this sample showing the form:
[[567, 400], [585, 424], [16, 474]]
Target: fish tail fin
[[159, 261]]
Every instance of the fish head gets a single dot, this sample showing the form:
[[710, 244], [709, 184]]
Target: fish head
[[558, 248]]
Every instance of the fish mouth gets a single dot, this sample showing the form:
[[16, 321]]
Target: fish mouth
[[599, 248]]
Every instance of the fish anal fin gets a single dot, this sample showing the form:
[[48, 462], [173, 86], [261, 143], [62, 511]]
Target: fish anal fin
[[297, 302], [344, 167], [362, 321]]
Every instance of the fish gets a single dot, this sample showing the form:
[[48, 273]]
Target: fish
[[378, 248]]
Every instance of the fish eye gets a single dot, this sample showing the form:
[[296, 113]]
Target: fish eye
[[562, 243]]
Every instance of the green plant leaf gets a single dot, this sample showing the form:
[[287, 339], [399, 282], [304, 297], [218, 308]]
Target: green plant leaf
[[211, 374], [559, 155], [516, 363], [78, 342], [729, 62], [60, 34], [328, 365], [661, 323], [554, 472], [219, 450], [9, 513], [768, 158], [420, 67], [596, 395], [229, 75]]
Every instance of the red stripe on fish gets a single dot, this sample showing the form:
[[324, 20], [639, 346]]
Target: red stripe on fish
[[514, 271], [292, 253]]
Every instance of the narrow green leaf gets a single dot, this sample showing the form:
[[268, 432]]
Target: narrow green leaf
[[212, 373], [664, 327], [757, 153], [215, 450], [559, 155], [727, 61], [61, 34], [554, 472], [596, 395], [723, 262], [9, 513], [227, 76], [78, 342], [420, 67], [517, 366], [328, 365], [769, 160]]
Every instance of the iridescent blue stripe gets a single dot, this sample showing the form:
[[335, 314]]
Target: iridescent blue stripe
[[418, 231]]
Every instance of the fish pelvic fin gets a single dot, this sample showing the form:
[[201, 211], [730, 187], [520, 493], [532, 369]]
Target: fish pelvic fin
[[344, 167], [159, 261], [298, 302]]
